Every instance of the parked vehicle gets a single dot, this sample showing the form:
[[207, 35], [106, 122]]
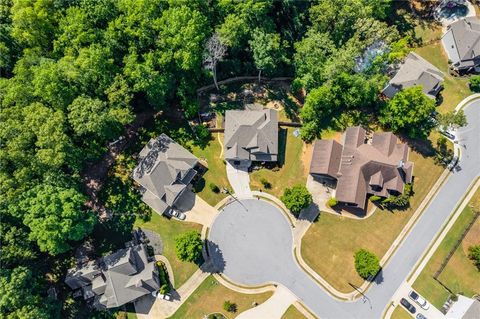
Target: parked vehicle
[[176, 214], [419, 300], [453, 163], [420, 316], [408, 305], [158, 295]]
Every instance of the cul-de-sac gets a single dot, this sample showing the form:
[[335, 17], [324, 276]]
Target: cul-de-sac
[[249, 159]]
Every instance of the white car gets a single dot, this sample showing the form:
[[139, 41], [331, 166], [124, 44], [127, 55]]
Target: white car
[[176, 214], [158, 295], [419, 300]]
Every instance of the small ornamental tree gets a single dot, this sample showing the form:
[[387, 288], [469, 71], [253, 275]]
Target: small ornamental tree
[[332, 202], [229, 306], [474, 255], [188, 246], [366, 263], [296, 198], [475, 83]]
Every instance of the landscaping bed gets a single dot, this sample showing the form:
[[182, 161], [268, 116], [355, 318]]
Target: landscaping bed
[[459, 274], [168, 229], [329, 245], [209, 298]]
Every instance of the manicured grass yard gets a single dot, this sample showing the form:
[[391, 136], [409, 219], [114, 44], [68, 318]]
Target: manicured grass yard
[[455, 88], [460, 275], [168, 229], [330, 243], [293, 313], [291, 173], [209, 297], [216, 173], [400, 313]]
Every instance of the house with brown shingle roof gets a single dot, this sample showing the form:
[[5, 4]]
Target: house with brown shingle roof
[[378, 167]]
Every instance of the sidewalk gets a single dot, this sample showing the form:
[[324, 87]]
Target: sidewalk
[[273, 308]]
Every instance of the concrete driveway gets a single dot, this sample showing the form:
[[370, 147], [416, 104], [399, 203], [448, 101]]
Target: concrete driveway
[[254, 241], [239, 180]]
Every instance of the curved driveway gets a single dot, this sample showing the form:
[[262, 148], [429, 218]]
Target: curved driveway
[[268, 256]]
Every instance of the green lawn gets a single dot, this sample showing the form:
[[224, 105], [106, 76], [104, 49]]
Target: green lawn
[[455, 88], [460, 275], [216, 173], [292, 170], [168, 229], [330, 243], [293, 313], [400, 313], [209, 297]]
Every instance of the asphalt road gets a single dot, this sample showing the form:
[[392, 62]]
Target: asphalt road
[[253, 241]]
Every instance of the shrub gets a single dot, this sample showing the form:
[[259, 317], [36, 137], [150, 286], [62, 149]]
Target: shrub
[[164, 289], [214, 188], [296, 198], [375, 198], [229, 306], [475, 83], [266, 184], [188, 246], [474, 255], [332, 202], [367, 264]]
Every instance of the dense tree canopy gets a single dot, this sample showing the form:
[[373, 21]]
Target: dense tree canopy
[[188, 246], [296, 198], [409, 111]]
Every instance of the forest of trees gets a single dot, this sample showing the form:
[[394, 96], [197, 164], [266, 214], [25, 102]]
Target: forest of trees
[[74, 73]]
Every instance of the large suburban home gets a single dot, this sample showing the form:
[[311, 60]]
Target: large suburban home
[[378, 167], [462, 44], [251, 135], [164, 171], [116, 279], [415, 70]]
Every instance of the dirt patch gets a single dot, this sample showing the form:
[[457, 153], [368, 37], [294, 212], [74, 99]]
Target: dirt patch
[[472, 237], [306, 157]]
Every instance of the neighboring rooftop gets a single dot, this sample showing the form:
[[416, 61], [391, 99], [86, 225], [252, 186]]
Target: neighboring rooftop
[[164, 171], [462, 43], [251, 135], [116, 279], [380, 168], [415, 70]]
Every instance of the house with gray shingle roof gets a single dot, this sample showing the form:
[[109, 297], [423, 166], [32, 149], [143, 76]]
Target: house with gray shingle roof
[[251, 135], [462, 44], [116, 279], [414, 71], [379, 168], [164, 171]]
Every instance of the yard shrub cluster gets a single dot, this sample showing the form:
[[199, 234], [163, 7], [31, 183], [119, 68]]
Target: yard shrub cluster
[[229, 306], [163, 276], [332, 202], [399, 201], [296, 198], [214, 188], [475, 83], [266, 184], [474, 255], [188, 246], [367, 264]]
